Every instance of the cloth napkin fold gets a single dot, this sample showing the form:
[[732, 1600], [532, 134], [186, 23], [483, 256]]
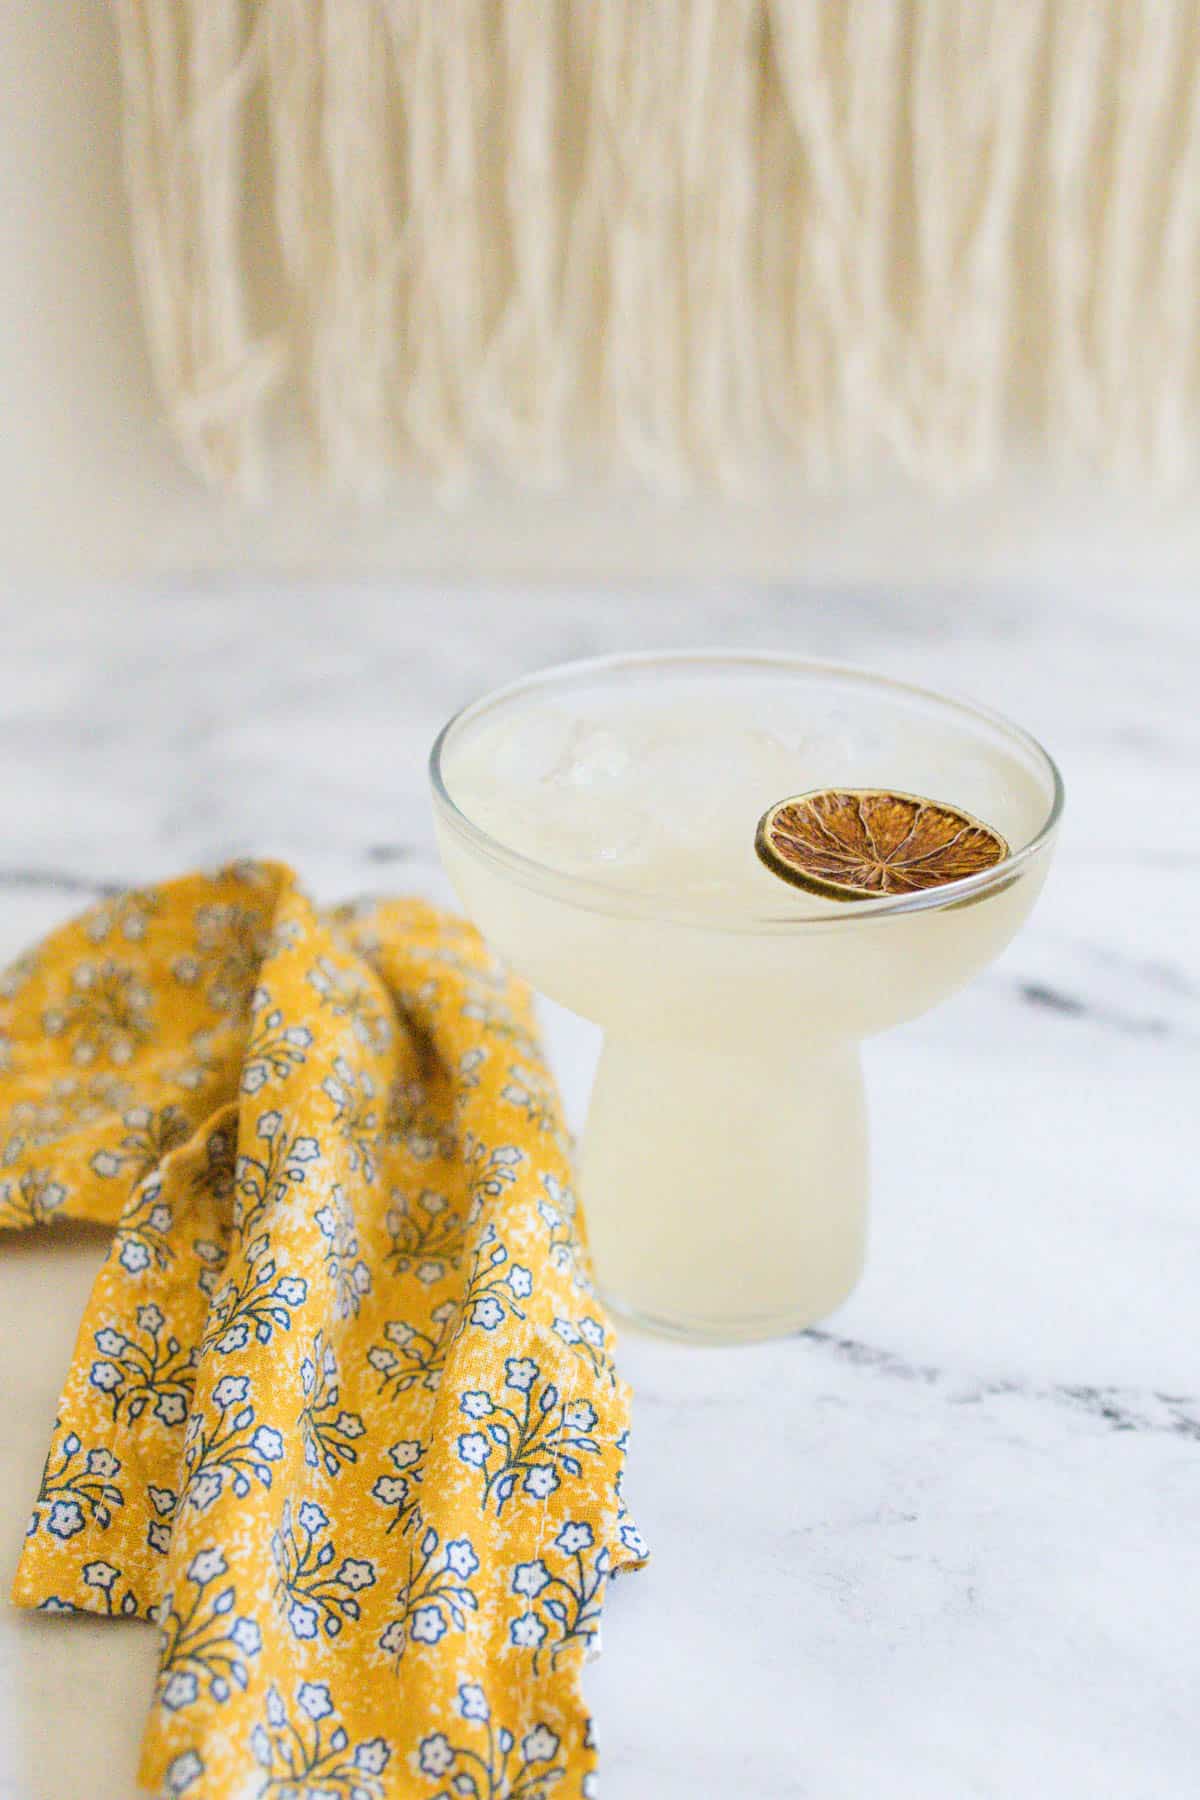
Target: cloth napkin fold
[[342, 1415]]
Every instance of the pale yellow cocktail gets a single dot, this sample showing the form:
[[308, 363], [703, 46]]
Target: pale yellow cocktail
[[598, 824]]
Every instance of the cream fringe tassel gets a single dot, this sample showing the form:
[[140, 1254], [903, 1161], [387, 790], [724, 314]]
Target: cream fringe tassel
[[681, 237]]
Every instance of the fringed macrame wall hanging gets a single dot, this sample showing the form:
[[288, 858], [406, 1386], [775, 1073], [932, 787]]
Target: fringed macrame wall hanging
[[686, 239]]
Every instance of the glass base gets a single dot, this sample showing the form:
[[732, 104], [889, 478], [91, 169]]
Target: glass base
[[725, 1190], [751, 1328]]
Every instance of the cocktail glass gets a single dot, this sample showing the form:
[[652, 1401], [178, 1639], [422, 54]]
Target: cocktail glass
[[597, 821]]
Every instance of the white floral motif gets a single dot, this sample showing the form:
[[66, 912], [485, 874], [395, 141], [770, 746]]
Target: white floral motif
[[347, 1271], [306, 1755], [184, 1772], [205, 1645], [531, 1775], [436, 1595], [525, 1444], [78, 1486], [330, 1431], [310, 1591]]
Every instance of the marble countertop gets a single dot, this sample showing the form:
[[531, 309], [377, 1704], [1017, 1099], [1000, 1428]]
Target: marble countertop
[[949, 1545]]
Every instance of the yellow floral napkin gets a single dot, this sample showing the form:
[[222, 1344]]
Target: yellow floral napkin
[[342, 1415]]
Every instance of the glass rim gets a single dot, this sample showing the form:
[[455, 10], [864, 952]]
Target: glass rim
[[590, 893]]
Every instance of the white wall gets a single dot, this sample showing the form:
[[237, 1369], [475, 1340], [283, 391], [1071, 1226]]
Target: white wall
[[90, 485]]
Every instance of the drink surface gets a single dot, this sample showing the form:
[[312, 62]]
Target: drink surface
[[655, 787]]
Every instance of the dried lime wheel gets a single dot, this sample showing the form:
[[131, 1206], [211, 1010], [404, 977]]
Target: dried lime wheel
[[864, 843]]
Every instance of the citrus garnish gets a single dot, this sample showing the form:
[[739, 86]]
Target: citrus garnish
[[863, 843]]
